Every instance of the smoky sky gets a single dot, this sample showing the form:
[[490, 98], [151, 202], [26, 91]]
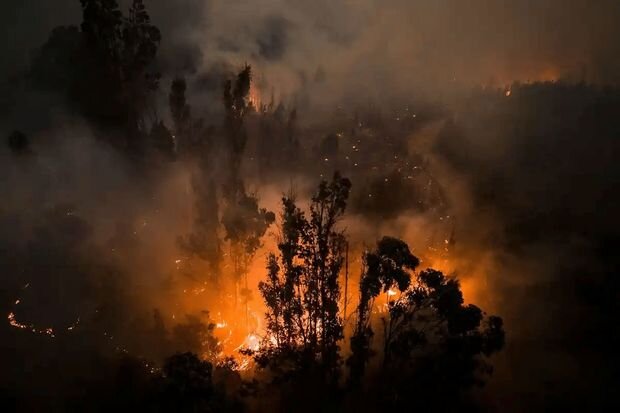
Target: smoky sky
[[399, 44]]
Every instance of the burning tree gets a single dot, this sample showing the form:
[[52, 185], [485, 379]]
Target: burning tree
[[196, 336], [193, 141], [245, 224], [429, 336], [302, 289], [385, 268], [244, 221]]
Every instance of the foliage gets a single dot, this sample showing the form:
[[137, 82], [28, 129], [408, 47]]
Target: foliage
[[188, 383], [192, 138], [434, 342], [184, 383], [204, 241], [105, 69], [236, 107], [245, 223], [196, 336], [386, 267], [432, 345], [302, 290]]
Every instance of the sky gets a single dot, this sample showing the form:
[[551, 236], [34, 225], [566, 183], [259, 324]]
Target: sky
[[399, 44]]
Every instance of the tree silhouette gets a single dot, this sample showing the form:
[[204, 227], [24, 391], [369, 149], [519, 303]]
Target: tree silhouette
[[236, 107], [302, 289], [245, 223], [279, 149], [386, 267], [185, 128], [105, 68], [434, 346], [188, 377], [196, 336], [187, 385], [204, 242], [193, 142], [282, 294]]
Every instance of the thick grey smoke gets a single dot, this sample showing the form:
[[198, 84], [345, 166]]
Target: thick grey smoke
[[523, 180], [366, 48]]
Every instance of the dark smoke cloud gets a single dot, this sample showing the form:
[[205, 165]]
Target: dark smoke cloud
[[531, 178], [539, 167], [366, 47], [407, 46]]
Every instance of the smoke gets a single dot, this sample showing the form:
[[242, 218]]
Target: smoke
[[371, 49], [527, 218], [537, 172], [365, 49]]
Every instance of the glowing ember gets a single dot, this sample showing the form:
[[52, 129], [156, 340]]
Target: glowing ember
[[14, 323], [253, 342], [254, 97]]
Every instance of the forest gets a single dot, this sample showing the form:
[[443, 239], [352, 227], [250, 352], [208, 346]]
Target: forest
[[178, 241]]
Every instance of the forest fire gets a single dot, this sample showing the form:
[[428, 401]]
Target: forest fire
[[49, 331], [254, 96], [177, 236]]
